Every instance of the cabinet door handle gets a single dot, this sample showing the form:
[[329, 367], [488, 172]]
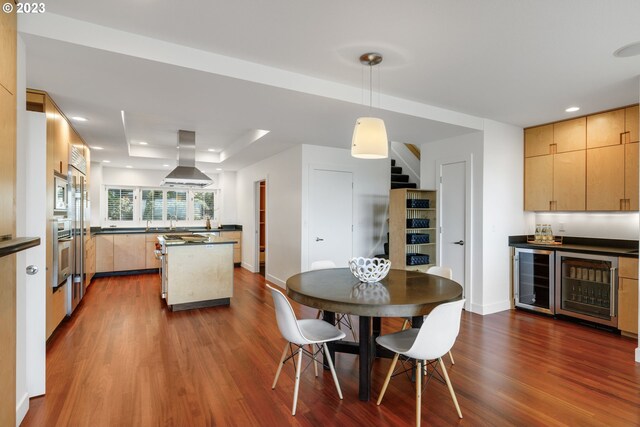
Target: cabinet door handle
[[459, 242], [319, 239]]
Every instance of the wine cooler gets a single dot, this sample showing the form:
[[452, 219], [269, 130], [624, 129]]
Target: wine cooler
[[586, 287], [533, 273]]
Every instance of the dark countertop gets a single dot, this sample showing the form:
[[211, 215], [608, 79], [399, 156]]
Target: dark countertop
[[12, 246], [162, 230], [616, 247]]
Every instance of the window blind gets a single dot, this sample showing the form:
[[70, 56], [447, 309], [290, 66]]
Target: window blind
[[152, 201], [177, 205], [120, 204], [203, 203]]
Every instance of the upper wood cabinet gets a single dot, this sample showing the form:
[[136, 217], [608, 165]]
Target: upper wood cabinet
[[538, 183], [631, 118], [569, 181], [8, 47], [62, 134], [538, 140], [570, 135], [631, 176], [605, 129], [588, 163], [605, 178]]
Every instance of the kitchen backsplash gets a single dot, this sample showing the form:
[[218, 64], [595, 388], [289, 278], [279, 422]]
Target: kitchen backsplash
[[614, 225]]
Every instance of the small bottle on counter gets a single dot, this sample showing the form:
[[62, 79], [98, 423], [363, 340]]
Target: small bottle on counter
[[538, 233]]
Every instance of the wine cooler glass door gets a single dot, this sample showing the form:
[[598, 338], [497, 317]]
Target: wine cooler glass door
[[587, 287], [533, 274]]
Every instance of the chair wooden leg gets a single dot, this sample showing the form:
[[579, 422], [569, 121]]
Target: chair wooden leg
[[404, 325], [386, 380], [315, 362], [451, 357], [284, 355], [418, 392], [297, 384], [453, 395], [333, 371]]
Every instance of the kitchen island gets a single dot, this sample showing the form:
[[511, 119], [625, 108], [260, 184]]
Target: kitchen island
[[197, 271]]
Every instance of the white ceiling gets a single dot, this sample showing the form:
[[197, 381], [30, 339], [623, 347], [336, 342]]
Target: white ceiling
[[227, 69]]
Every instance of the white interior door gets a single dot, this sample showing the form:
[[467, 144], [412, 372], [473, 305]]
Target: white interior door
[[453, 203], [330, 216]]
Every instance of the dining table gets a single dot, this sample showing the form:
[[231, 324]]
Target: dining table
[[401, 293]]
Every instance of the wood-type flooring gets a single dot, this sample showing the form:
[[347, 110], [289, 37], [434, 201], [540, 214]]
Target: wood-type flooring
[[124, 359]]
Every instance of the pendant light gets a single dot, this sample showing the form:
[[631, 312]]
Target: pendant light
[[370, 135]]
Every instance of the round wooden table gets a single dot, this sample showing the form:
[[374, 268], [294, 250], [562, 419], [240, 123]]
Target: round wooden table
[[401, 294]]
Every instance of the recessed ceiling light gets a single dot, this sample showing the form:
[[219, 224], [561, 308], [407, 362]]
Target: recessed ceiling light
[[211, 149], [143, 143], [128, 166], [572, 109], [95, 147], [632, 49], [218, 169], [106, 161], [78, 119], [166, 166]]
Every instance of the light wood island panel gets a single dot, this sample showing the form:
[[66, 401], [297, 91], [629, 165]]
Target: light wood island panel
[[129, 252], [199, 275]]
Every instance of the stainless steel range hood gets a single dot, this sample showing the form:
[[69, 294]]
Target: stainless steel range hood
[[186, 174]]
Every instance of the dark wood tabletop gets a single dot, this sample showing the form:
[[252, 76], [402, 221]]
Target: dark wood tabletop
[[401, 294]]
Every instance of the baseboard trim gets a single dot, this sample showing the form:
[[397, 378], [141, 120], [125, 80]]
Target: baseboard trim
[[491, 308], [22, 406], [277, 281]]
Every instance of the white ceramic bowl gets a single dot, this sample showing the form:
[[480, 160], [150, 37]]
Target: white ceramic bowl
[[369, 270]]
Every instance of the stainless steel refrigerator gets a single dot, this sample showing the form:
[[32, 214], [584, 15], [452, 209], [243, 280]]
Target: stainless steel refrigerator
[[78, 213]]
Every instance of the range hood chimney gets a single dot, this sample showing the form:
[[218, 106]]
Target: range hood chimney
[[186, 174]]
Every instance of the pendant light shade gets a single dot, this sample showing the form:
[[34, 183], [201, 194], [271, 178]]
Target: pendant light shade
[[370, 135], [370, 139]]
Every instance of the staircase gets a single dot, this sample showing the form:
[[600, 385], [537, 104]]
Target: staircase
[[398, 179]]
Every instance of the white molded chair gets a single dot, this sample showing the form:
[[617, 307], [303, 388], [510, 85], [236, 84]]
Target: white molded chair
[[441, 271], [433, 340], [341, 319], [300, 333]]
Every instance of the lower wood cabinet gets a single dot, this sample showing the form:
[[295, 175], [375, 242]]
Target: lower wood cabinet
[[237, 247], [628, 295], [129, 252], [90, 259], [104, 253]]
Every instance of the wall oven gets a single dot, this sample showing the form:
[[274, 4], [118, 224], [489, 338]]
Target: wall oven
[[62, 251], [587, 287], [533, 272]]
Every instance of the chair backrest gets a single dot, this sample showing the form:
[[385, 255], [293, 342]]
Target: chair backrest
[[441, 271], [438, 332], [286, 318], [322, 264]]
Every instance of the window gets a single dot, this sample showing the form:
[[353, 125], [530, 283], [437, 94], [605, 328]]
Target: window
[[120, 203], [152, 205], [177, 205], [202, 205]]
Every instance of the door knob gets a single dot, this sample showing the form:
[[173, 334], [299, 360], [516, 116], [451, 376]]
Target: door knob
[[319, 239], [31, 270], [459, 242]]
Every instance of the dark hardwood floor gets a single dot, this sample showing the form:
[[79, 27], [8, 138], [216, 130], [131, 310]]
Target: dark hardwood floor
[[125, 360]]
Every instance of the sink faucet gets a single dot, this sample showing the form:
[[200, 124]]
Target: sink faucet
[[147, 225], [171, 218]]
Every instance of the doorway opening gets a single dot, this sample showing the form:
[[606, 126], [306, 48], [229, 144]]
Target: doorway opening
[[261, 238]]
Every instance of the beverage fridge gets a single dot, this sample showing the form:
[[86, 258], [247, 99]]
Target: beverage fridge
[[533, 274], [587, 287], [78, 213]]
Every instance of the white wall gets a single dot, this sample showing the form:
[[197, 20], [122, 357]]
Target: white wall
[[468, 147], [609, 225], [282, 173], [371, 184], [496, 208], [503, 216], [102, 176]]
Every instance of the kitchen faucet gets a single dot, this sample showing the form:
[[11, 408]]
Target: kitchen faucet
[[147, 225], [171, 218]]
